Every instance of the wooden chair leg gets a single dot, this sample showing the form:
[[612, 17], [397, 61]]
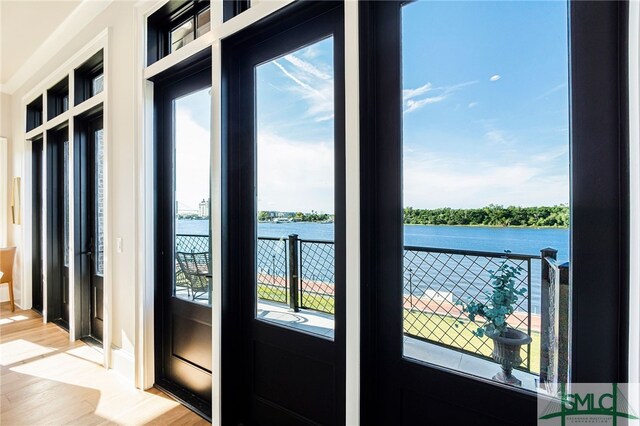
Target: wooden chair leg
[[13, 306]]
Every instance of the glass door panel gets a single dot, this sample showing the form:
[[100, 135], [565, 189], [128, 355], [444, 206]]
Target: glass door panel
[[295, 284], [65, 229], [99, 200], [486, 187], [96, 225], [192, 120]]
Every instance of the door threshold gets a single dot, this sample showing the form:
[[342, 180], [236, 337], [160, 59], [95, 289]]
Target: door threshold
[[93, 343], [62, 324], [185, 398]]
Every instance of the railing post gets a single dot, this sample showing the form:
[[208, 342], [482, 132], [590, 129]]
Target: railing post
[[563, 324], [545, 311], [293, 272]]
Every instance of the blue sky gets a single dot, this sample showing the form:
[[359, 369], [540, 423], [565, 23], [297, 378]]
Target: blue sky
[[485, 112], [192, 121], [295, 117], [485, 104]]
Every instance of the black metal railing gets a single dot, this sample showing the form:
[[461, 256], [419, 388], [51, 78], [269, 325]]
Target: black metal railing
[[301, 273], [272, 279], [436, 279]]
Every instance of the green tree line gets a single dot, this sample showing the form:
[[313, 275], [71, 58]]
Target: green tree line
[[314, 216], [491, 215]]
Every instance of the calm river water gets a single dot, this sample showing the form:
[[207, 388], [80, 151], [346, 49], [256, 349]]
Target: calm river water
[[492, 239]]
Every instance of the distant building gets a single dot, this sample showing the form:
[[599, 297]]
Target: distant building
[[204, 208]]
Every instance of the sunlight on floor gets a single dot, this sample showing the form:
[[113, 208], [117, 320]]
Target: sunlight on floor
[[18, 318], [78, 371], [45, 378], [87, 353], [12, 319], [21, 350]]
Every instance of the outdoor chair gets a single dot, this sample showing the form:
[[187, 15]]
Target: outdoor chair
[[7, 256], [195, 267]]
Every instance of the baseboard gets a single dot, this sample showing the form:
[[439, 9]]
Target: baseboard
[[123, 363], [4, 295]]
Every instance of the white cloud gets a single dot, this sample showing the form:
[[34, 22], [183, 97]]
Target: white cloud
[[192, 161], [552, 90], [495, 77], [313, 82], [472, 104], [294, 175], [412, 105], [441, 93], [551, 155], [412, 93], [432, 181], [307, 67], [498, 137]]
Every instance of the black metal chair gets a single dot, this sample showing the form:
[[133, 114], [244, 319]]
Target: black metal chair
[[195, 267]]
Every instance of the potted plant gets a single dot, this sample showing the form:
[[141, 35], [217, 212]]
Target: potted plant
[[500, 305]]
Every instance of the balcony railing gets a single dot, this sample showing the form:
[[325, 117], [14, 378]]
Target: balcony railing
[[300, 273]]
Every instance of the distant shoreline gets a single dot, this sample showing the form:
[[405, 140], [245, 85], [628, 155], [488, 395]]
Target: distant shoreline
[[414, 224], [492, 226]]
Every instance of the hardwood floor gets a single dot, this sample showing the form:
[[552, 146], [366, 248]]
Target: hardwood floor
[[47, 380]]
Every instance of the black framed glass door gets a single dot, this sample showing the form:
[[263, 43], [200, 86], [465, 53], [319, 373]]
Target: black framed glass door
[[89, 202], [182, 258], [283, 213], [417, 365]]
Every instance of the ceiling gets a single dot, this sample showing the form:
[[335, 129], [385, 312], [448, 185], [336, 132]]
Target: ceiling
[[25, 25]]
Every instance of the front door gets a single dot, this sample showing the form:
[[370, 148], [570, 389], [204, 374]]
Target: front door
[[283, 210], [183, 276]]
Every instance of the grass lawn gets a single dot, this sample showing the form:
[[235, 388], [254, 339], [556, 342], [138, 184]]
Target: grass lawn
[[311, 301], [433, 327], [443, 329]]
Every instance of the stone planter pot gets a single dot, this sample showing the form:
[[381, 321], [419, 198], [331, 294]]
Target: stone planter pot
[[506, 352]]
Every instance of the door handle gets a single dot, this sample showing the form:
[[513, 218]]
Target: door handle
[[88, 253]]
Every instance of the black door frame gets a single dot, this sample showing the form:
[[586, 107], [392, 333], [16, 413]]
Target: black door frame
[[37, 158], [286, 30], [84, 224], [393, 386], [186, 77], [57, 309]]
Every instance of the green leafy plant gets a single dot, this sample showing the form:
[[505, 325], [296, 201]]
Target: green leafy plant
[[500, 304]]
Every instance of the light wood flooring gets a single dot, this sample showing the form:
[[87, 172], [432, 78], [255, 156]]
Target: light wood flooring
[[47, 380]]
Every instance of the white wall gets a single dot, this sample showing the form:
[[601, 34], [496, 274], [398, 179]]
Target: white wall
[[121, 143], [5, 188]]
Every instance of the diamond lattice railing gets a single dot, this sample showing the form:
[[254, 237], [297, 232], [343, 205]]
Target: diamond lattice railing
[[272, 269], [436, 280], [317, 275]]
